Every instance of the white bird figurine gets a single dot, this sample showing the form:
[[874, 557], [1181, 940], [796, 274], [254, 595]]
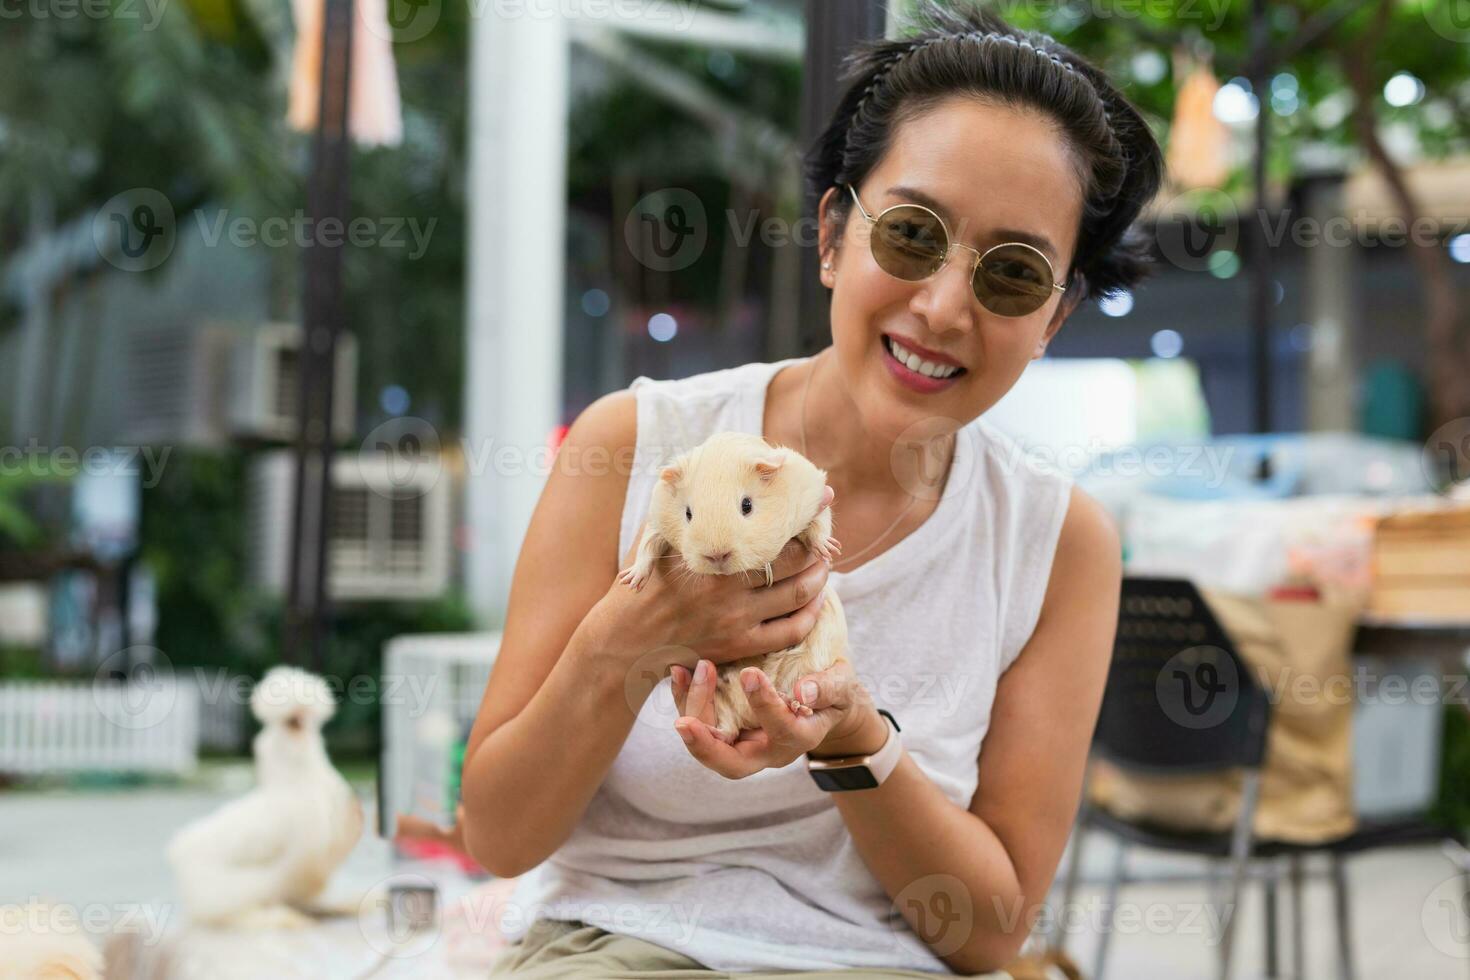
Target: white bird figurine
[[258, 862]]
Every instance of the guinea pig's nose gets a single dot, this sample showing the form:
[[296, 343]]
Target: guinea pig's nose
[[719, 559]]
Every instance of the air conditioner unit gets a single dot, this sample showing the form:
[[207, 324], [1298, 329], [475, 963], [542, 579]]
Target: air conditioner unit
[[174, 385], [265, 378], [203, 385], [390, 531]]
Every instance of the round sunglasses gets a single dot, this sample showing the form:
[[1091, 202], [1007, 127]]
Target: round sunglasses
[[912, 243]]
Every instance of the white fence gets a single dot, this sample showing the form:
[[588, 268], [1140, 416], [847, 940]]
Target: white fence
[[61, 727]]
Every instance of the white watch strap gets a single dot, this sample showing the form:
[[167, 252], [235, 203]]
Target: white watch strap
[[882, 762]]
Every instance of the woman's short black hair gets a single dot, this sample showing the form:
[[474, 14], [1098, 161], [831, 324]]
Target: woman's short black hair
[[959, 48]]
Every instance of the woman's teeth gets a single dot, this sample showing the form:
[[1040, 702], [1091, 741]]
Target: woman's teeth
[[916, 363]]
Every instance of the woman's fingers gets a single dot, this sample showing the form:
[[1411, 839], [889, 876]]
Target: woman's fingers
[[827, 494], [791, 593], [679, 677], [789, 630], [772, 710], [727, 760], [830, 688], [700, 695]]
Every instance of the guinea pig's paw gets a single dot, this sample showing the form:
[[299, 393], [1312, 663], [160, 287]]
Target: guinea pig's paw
[[724, 735], [633, 577], [797, 706], [828, 547]]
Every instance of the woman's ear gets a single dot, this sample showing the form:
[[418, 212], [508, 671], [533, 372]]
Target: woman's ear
[[826, 239]]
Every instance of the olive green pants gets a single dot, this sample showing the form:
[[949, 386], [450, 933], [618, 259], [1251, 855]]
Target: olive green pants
[[560, 950]]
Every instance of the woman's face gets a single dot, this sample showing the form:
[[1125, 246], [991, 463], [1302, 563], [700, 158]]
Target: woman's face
[[988, 172]]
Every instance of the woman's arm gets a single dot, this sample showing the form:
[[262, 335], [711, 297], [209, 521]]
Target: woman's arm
[[972, 882], [556, 710]]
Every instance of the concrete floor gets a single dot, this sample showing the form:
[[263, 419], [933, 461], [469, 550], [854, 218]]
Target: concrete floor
[[101, 851]]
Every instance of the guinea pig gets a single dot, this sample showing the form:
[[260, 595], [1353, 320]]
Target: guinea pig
[[728, 506]]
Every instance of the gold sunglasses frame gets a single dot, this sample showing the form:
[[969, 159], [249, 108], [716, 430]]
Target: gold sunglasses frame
[[952, 245]]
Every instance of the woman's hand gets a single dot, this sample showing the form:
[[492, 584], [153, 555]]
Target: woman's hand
[[832, 717], [680, 618]]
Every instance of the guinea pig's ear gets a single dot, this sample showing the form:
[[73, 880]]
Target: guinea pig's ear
[[766, 467], [672, 474]]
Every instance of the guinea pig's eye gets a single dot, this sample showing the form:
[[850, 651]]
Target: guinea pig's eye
[[745, 505], [688, 515]]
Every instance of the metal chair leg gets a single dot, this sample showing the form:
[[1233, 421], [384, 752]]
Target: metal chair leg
[[1340, 901], [1240, 854], [1058, 937], [1272, 952], [1298, 929], [1110, 905]]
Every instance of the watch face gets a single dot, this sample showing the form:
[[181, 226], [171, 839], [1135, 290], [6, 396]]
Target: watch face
[[852, 777]]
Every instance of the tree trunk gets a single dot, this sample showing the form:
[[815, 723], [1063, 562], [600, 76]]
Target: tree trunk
[[1449, 359]]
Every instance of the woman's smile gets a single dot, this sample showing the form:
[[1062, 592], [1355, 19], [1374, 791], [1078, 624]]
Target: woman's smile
[[916, 372]]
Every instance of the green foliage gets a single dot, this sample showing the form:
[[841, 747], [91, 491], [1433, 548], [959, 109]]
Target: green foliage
[[20, 662], [1453, 806], [210, 617], [1124, 35]]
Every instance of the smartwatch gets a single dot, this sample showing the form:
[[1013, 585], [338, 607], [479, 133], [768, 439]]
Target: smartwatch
[[850, 772]]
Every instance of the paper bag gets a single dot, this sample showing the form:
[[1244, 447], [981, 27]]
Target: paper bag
[[1300, 654]]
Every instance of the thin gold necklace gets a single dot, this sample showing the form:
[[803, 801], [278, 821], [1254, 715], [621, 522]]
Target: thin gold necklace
[[806, 389]]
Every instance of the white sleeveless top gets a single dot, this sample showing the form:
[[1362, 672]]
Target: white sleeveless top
[[761, 873]]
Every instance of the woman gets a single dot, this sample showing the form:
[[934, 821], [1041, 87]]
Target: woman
[[980, 592]]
